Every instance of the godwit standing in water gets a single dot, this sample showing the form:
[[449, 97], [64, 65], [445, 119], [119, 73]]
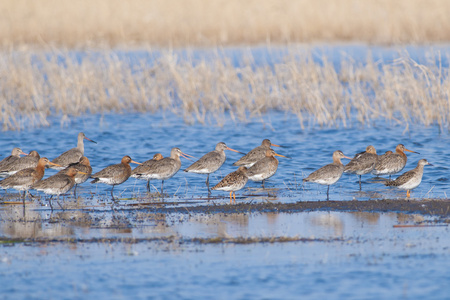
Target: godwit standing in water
[[362, 163], [57, 184], [73, 155], [411, 179], [389, 164], [115, 174], [255, 155], [210, 162], [141, 171], [15, 155], [24, 179], [233, 182], [84, 166], [329, 174], [29, 161], [264, 168], [165, 168]]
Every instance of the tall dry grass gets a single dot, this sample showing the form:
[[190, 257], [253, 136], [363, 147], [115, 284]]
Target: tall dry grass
[[221, 22], [34, 87]]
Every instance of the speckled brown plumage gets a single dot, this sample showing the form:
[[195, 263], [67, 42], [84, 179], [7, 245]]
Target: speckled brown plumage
[[233, 182], [411, 179]]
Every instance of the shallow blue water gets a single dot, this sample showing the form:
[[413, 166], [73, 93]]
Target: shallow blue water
[[357, 255], [142, 135]]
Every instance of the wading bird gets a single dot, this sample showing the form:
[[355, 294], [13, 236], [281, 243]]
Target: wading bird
[[329, 174], [142, 171], [390, 164], [84, 166], [233, 182], [115, 174], [265, 168], [255, 155], [411, 179], [363, 163], [73, 155], [210, 162], [24, 179], [165, 168]]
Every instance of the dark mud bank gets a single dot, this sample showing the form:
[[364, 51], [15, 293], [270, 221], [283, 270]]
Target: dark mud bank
[[439, 208]]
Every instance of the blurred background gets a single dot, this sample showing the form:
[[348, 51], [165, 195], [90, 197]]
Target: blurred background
[[221, 22]]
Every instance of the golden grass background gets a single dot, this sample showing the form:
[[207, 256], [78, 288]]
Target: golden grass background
[[221, 22], [37, 86]]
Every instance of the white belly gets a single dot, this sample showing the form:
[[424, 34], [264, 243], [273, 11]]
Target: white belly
[[411, 184]]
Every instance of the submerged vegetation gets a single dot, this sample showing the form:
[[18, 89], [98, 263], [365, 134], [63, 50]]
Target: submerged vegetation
[[207, 90]]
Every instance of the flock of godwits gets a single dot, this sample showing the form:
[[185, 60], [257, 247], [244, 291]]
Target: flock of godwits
[[25, 173]]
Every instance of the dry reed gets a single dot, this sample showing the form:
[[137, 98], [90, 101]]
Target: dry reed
[[221, 22], [37, 86]]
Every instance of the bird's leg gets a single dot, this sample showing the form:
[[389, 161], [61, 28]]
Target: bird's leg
[[148, 186], [23, 200], [408, 194], [50, 202], [234, 197], [328, 193], [360, 182], [263, 183], [231, 199], [59, 204], [162, 187], [207, 184], [112, 194], [75, 191]]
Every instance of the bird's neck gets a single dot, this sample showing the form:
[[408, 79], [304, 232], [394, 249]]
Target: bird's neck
[[40, 170], [337, 161], [80, 145]]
